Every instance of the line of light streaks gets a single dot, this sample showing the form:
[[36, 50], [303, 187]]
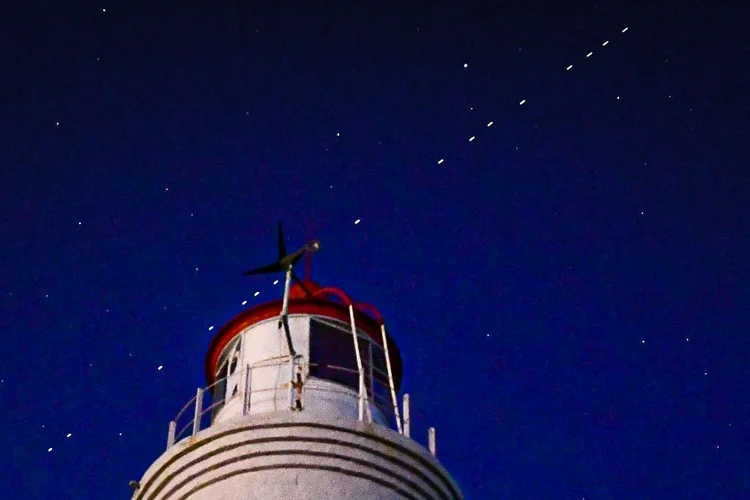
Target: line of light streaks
[[473, 138], [523, 101]]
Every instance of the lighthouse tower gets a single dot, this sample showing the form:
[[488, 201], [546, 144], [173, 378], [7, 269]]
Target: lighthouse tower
[[300, 403]]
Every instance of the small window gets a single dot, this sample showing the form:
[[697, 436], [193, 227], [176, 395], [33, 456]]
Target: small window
[[221, 383], [219, 390], [228, 362]]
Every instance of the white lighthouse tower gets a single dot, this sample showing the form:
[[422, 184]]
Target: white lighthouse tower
[[300, 404]]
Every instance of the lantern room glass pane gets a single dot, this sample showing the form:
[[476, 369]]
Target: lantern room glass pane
[[379, 367], [332, 355]]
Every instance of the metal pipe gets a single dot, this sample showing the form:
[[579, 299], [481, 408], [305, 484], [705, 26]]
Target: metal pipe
[[363, 402], [171, 433], [198, 411], [407, 416], [431, 440], [390, 380], [287, 282], [291, 382]]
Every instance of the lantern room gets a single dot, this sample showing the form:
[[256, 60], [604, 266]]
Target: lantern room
[[342, 363]]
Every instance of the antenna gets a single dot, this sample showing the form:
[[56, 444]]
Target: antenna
[[286, 263], [308, 257]]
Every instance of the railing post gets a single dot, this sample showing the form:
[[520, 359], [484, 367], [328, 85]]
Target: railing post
[[198, 411], [431, 440], [390, 380], [407, 416], [171, 433], [246, 402], [364, 403]]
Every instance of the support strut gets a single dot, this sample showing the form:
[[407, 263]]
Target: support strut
[[284, 317]]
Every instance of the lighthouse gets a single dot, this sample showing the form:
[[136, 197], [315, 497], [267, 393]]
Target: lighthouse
[[301, 402]]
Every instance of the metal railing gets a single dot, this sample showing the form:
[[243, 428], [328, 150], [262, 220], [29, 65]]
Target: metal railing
[[202, 416]]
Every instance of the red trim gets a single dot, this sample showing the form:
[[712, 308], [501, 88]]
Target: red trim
[[272, 309], [322, 293], [369, 308]]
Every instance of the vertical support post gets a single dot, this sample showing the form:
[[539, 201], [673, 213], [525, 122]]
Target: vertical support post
[[285, 303], [284, 318], [390, 381], [363, 400], [198, 411], [246, 402], [407, 415], [431, 440], [171, 433]]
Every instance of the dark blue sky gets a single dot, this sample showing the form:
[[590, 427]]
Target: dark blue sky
[[568, 289]]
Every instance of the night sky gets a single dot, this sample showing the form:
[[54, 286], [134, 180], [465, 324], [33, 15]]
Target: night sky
[[561, 252]]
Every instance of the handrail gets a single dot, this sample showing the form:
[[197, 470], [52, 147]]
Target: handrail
[[381, 401]]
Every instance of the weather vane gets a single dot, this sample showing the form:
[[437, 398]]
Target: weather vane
[[286, 263]]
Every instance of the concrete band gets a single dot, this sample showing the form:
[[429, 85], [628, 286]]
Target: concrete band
[[394, 459]]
